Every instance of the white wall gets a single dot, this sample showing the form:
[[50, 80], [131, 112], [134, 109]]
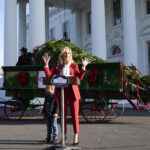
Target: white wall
[[59, 16], [114, 34], [143, 35]]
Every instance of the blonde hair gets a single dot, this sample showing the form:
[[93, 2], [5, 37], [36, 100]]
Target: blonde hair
[[62, 52]]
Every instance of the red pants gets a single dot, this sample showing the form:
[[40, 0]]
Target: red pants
[[74, 108]]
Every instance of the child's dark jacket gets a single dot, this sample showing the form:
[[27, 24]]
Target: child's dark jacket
[[50, 105]]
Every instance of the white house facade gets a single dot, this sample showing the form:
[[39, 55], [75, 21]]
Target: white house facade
[[110, 29]]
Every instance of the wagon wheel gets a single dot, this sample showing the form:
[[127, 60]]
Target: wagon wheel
[[116, 108], [34, 108], [93, 110], [13, 109]]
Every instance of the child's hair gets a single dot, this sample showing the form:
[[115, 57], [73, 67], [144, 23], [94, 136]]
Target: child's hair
[[50, 88]]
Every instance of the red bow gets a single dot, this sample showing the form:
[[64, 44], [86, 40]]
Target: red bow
[[93, 74], [22, 78]]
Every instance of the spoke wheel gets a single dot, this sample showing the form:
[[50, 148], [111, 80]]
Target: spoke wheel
[[13, 110], [34, 108], [116, 109], [93, 110]]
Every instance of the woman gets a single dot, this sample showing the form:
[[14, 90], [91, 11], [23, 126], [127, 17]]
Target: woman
[[68, 67]]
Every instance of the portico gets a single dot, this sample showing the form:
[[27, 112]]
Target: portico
[[39, 26]]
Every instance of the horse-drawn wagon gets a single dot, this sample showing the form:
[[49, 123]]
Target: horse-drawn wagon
[[103, 89]]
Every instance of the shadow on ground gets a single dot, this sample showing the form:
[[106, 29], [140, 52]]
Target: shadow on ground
[[128, 112]]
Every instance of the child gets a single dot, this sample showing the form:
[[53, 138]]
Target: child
[[50, 112]]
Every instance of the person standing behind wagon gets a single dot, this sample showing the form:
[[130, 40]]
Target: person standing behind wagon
[[24, 59], [68, 67]]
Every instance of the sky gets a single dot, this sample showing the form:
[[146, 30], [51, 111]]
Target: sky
[[1, 32]]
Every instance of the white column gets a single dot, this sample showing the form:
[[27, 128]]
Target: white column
[[129, 29], [10, 33], [98, 28], [47, 23], [78, 34], [36, 23], [22, 25]]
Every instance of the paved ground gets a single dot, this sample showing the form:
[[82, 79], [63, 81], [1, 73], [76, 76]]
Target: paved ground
[[129, 132]]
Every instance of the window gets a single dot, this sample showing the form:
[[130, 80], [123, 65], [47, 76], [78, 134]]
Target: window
[[148, 47], [52, 34], [66, 32], [116, 50], [117, 12], [148, 6], [89, 23]]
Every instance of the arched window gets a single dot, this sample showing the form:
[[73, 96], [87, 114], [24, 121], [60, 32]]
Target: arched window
[[116, 50]]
